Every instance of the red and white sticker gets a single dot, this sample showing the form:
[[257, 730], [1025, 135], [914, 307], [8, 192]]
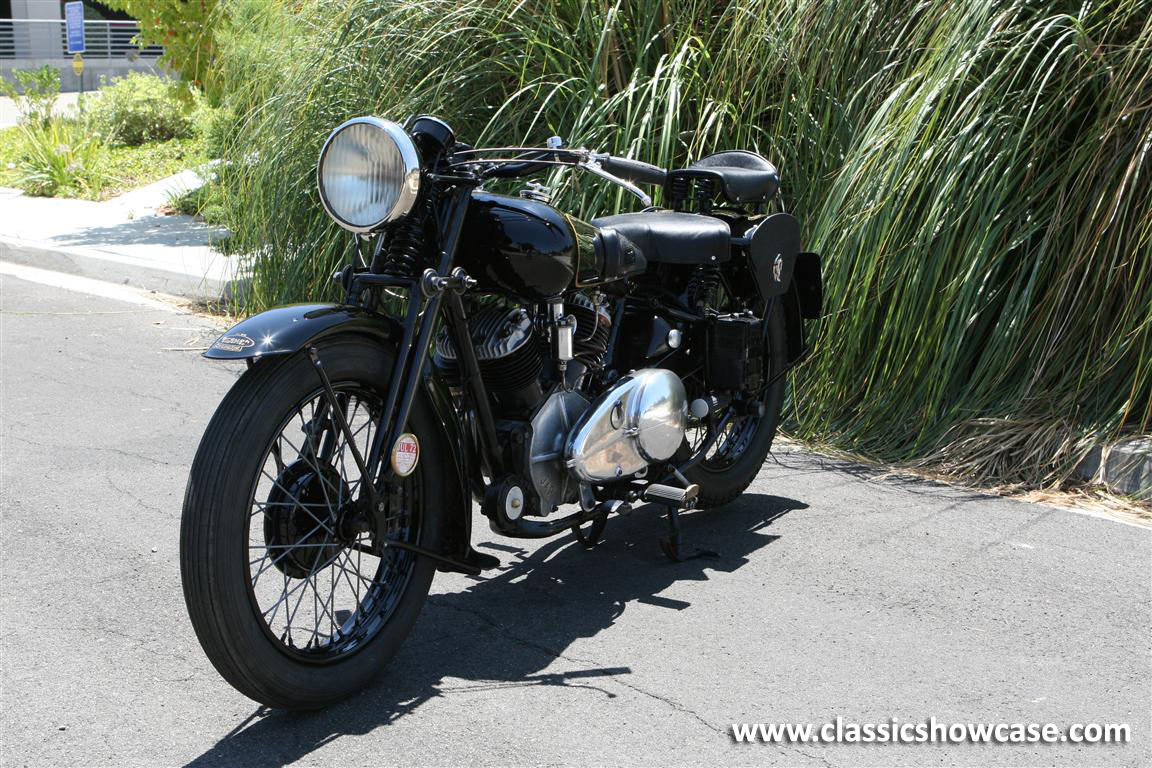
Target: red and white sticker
[[405, 454]]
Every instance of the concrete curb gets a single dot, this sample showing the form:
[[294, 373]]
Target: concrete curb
[[111, 268], [1123, 468]]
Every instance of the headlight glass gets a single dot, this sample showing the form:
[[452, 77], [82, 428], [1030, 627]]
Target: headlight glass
[[368, 174]]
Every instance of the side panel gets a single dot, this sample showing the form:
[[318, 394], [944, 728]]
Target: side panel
[[809, 285], [773, 249]]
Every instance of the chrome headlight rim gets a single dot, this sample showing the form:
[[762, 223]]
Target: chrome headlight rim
[[410, 184]]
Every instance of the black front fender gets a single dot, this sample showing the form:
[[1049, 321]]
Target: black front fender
[[285, 330]]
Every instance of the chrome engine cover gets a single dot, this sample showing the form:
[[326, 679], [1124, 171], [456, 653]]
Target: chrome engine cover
[[639, 421]]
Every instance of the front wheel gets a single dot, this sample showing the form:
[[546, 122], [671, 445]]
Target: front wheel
[[293, 596]]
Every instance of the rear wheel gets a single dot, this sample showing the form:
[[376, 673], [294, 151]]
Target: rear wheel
[[745, 429], [290, 591]]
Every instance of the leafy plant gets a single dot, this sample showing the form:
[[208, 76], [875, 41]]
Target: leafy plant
[[136, 166], [140, 107], [977, 174], [34, 93], [201, 201], [61, 158], [186, 29]]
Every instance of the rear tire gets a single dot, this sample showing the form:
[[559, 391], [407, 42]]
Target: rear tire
[[219, 527], [723, 481]]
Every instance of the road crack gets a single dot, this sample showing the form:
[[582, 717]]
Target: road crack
[[541, 648]]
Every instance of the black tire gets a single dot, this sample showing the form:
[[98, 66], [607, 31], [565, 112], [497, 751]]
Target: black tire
[[215, 537], [723, 481]]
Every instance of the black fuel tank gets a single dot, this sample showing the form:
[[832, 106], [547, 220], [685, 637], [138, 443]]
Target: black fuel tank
[[518, 246]]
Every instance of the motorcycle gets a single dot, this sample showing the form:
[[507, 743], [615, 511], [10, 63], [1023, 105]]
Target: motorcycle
[[554, 371]]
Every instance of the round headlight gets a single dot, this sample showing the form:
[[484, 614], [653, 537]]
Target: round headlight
[[368, 174]]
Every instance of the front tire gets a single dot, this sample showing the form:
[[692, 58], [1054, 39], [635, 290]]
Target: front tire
[[290, 594]]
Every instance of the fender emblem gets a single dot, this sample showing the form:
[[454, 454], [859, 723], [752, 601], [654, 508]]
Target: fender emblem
[[237, 342], [778, 268]]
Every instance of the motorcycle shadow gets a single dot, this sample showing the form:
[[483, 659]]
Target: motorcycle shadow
[[506, 628]]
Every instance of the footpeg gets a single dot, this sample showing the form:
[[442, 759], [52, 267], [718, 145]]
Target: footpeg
[[669, 495]]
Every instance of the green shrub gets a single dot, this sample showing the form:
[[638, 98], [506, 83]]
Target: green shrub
[[194, 202], [61, 158], [977, 175], [215, 128], [137, 166], [140, 108], [34, 93]]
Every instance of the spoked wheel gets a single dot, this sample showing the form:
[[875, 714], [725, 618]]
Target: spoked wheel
[[321, 579], [744, 430], [290, 587]]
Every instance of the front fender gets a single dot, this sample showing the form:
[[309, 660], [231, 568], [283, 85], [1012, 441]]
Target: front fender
[[285, 330]]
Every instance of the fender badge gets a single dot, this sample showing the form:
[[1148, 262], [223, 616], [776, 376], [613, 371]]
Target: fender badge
[[778, 267], [236, 342], [405, 454]]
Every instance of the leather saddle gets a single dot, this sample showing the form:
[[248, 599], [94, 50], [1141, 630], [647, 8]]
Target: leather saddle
[[689, 238]]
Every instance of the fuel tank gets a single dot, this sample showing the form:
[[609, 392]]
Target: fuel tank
[[518, 246]]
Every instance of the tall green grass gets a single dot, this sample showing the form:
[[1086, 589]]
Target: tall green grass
[[977, 175]]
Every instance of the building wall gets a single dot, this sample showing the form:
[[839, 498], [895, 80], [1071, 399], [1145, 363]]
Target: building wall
[[36, 45], [39, 40]]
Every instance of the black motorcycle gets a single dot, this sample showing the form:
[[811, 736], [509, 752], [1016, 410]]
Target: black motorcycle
[[554, 371]]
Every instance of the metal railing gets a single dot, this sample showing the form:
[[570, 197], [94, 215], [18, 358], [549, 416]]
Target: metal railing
[[46, 39]]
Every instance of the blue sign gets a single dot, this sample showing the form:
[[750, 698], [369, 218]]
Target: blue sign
[[74, 22]]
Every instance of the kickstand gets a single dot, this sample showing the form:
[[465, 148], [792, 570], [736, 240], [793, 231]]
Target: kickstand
[[595, 531], [672, 545]]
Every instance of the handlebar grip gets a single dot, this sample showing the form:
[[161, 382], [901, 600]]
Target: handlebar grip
[[634, 170]]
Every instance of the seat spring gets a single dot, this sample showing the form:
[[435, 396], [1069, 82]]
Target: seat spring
[[678, 190], [702, 285], [705, 191]]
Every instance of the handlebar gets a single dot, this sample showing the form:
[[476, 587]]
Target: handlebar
[[633, 170], [522, 166], [530, 160]]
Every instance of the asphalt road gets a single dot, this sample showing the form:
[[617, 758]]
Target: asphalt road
[[839, 592]]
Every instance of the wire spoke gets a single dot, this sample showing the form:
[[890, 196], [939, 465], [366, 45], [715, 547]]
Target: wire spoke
[[285, 553], [304, 494], [325, 483], [299, 503], [304, 581]]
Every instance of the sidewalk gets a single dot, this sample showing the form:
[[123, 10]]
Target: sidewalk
[[122, 240], [10, 115]]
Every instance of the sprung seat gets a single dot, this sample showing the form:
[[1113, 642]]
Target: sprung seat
[[744, 177], [673, 238]]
